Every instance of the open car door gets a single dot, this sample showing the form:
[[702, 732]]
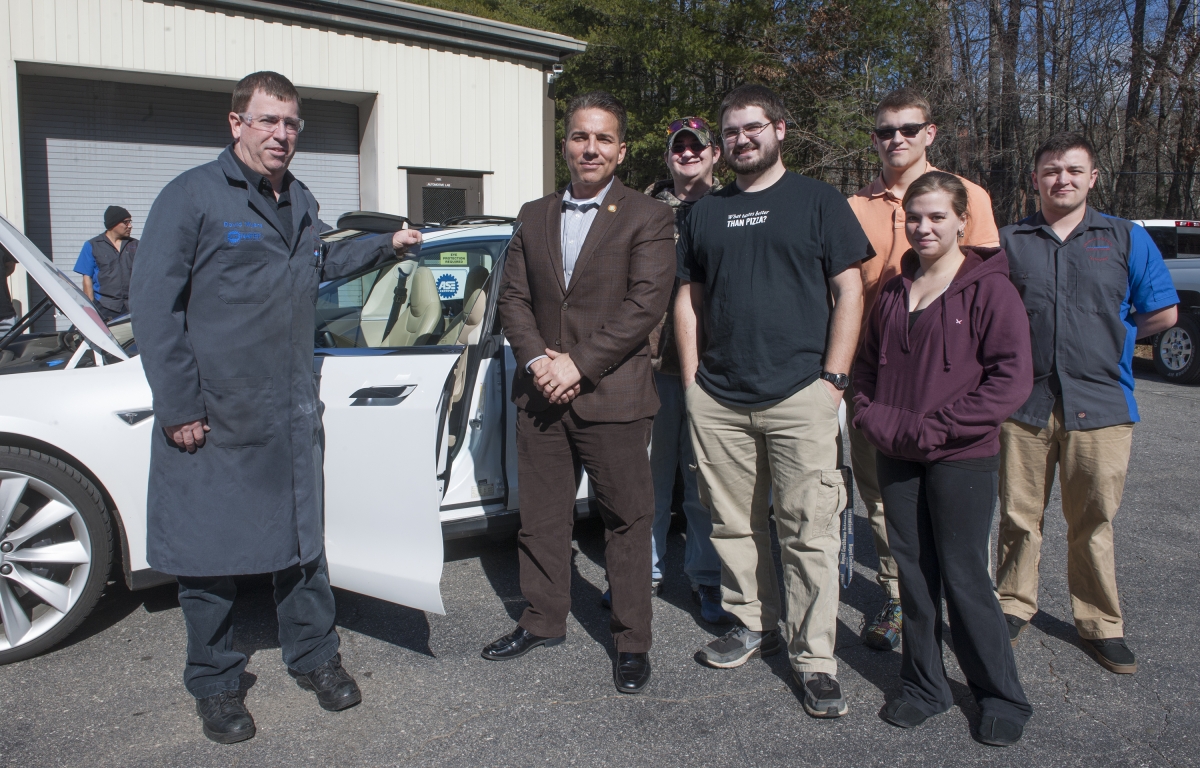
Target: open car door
[[384, 417]]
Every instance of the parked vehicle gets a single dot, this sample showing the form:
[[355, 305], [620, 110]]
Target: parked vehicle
[[414, 378], [1177, 349]]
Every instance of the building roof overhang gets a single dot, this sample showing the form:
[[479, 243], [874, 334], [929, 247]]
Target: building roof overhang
[[391, 18]]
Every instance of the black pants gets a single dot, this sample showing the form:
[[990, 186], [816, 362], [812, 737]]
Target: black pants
[[939, 517], [549, 446], [303, 604]]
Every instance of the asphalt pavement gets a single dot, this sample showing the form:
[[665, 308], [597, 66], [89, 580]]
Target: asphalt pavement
[[112, 694]]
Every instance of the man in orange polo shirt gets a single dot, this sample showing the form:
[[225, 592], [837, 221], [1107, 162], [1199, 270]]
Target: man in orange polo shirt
[[903, 132]]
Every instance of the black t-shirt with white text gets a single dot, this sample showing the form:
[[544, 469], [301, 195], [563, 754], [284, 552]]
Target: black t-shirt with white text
[[764, 259]]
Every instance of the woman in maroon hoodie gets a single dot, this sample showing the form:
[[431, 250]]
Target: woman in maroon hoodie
[[944, 362]]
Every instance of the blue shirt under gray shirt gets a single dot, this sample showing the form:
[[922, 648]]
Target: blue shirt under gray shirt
[[1080, 293]]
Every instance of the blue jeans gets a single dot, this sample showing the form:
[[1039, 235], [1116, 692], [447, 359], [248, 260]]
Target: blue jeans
[[670, 447], [305, 608]]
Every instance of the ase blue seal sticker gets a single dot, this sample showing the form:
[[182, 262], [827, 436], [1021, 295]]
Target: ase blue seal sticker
[[447, 286]]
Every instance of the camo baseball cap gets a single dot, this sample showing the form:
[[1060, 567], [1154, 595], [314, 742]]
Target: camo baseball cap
[[693, 125]]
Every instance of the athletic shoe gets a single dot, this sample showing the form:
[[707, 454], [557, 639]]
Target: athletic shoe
[[883, 632], [1015, 627], [739, 645], [822, 694], [1113, 654]]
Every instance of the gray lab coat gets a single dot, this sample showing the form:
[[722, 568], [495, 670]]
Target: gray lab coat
[[223, 315]]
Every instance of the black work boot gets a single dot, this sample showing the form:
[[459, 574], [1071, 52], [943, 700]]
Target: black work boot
[[334, 687], [225, 718]]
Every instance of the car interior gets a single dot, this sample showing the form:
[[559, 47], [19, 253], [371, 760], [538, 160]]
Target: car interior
[[435, 299]]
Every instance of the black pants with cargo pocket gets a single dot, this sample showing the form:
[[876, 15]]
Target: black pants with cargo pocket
[[939, 519]]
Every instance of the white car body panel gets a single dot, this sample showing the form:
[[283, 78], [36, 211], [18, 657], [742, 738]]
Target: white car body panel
[[76, 412], [383, 537]]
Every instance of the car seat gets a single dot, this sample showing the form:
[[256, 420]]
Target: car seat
[[473, 308], [421, 318]]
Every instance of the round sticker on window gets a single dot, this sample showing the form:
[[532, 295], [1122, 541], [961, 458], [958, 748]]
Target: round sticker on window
[[447, 286]]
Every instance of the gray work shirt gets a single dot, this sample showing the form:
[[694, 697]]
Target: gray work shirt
[[1080, 293]]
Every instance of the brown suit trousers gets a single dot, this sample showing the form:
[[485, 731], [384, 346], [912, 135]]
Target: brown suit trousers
[[618, 292]]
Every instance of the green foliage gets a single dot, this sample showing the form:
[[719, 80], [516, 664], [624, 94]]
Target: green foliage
[[831, 59]]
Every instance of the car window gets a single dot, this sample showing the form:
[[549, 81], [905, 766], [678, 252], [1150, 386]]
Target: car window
[[421, 301], [1164, 238], [1189, 245]]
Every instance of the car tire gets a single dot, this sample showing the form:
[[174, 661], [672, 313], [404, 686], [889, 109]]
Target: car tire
[[1177, 351], [45, 595]]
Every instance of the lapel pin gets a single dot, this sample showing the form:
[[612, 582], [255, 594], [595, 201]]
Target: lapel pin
[[612, 209]]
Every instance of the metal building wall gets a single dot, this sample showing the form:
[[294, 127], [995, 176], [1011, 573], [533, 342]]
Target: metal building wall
[[88, 144]]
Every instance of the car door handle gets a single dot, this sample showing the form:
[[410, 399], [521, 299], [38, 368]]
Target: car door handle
[[382, 395]]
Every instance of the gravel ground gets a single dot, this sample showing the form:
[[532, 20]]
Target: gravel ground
[[112, 694]]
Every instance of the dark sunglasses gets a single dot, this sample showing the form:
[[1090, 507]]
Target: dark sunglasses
[[695, 123], [908, 131]]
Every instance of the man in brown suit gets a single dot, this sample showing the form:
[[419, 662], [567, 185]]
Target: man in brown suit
[[588, 276]]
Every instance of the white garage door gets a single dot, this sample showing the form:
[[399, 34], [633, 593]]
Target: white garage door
[[88, 144]]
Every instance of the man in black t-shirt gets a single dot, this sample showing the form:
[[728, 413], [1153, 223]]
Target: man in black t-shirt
[[767, 320]]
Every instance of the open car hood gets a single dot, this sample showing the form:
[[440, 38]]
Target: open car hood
[[61, 290]]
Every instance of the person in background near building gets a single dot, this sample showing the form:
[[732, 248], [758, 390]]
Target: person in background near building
[[1082, 275], [8, 313], [588, 277], [943, 362], [764, 357], [904, 129], [692, 152], [222, 302], [106, 263]]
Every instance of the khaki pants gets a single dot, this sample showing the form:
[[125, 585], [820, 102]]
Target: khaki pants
[[862, 459], [739, 454], [1092, 466]]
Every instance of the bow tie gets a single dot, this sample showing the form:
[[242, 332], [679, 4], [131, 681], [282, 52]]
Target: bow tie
[[581, 207]]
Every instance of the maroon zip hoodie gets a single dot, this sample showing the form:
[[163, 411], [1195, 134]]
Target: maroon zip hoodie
[[941, 391]]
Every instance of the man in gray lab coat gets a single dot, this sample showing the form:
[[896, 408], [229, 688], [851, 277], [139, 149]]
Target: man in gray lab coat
[[222, 297]]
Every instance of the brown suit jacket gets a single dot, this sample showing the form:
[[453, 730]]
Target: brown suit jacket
[[618, 293]]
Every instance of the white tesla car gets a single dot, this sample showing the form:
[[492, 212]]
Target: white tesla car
[[415, 382]]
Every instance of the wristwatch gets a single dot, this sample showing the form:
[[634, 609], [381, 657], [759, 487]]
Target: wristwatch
[[838, 380]]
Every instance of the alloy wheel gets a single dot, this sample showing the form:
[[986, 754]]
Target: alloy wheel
[[1176, 349], [45, 558]]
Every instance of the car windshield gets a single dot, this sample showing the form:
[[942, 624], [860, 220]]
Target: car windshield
[[435, 298]]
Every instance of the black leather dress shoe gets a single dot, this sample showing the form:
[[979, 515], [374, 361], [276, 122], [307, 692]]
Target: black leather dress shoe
[[517, 643], [334, 687], [225, 718], [631, 672]]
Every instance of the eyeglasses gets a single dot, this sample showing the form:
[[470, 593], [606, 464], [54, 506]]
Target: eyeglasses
[[751, 131], [908, 131], [268, 123]]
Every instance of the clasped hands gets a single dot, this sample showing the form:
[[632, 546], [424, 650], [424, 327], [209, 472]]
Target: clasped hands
[[557, 377]]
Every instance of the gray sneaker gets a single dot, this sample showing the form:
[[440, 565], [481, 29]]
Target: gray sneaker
[[739, 645], [822, 694]]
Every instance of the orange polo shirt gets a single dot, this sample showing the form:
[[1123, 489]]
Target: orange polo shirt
[[882, 218]]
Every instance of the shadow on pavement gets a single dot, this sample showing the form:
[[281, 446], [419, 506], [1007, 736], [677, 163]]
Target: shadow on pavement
[[118, 602]]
